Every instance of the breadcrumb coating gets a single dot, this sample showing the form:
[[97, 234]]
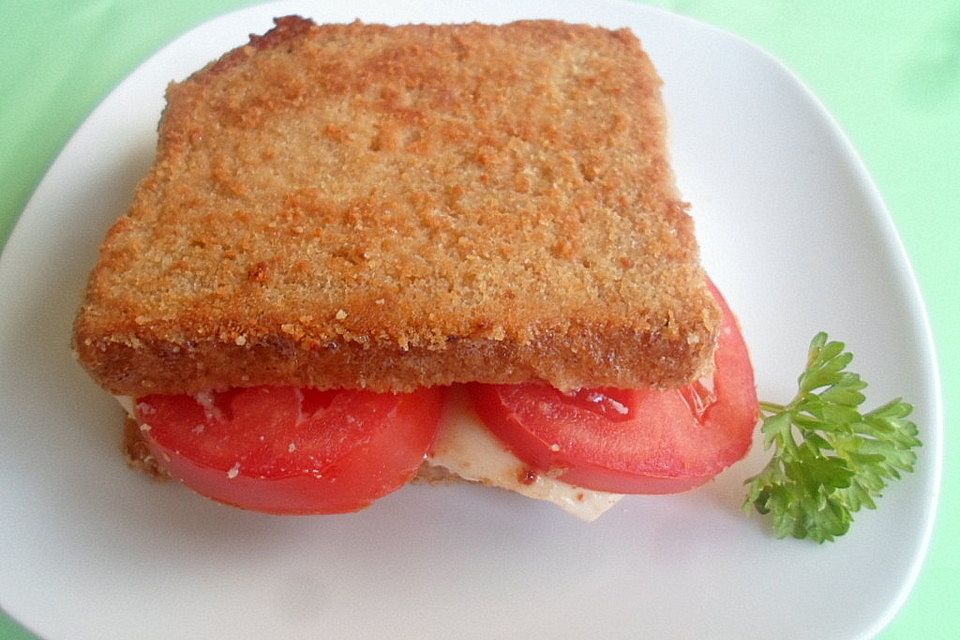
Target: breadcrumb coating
[[364, 206]]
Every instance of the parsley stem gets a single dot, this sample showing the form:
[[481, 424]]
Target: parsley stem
[[772, 407]]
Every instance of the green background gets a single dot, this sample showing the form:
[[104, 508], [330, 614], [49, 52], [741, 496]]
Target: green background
[[889, 71]]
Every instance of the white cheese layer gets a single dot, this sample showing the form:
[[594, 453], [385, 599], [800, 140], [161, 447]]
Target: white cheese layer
[[465, 447], [127, 403]]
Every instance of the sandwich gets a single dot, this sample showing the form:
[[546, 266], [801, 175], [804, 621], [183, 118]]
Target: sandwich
[[366, 255]]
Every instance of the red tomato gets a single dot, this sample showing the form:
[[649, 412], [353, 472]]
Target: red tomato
[[289, 450], [632, 441]]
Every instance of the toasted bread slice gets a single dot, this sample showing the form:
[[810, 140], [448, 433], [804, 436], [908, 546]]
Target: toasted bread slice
[[393, 207]]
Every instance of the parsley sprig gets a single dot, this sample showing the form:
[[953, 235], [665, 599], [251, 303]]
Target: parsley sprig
[[829, 458]]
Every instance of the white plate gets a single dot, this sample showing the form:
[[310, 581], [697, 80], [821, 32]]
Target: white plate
[[792, 229]]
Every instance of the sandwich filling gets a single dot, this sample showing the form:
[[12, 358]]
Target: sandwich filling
[[299, 450], [465, 448]]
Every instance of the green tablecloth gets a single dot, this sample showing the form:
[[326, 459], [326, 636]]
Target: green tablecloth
[[889, 71]]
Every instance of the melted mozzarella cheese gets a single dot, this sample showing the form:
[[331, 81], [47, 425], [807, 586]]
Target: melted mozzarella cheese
[[127, 403], [466, 448]]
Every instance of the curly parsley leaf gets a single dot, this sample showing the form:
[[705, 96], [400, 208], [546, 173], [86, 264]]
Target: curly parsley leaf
[[830, 460]]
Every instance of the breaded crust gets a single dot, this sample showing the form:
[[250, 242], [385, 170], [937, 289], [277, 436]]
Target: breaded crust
[[395, 207]]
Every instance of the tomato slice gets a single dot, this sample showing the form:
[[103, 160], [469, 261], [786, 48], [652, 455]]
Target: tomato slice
[[290, 450], [632, 441]]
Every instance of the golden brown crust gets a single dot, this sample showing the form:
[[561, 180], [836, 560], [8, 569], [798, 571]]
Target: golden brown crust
[[429, 474], [393, 207], [137, 453]]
